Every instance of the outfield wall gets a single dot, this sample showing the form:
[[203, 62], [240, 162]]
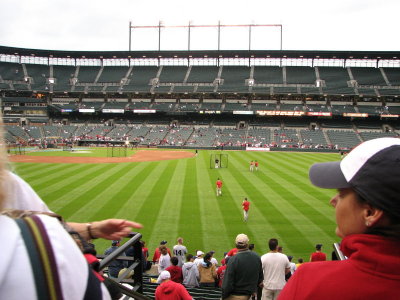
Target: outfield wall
[[244, 149]]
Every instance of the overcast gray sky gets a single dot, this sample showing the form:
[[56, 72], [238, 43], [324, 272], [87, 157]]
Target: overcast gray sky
[[104, 25]]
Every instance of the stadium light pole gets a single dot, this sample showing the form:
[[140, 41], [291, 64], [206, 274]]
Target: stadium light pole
[[130, 35], [159, 35]]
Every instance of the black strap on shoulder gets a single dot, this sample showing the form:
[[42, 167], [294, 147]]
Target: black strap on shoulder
[[41, 257]]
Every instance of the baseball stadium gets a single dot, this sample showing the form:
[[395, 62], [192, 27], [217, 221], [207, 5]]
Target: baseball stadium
[[145, 135]]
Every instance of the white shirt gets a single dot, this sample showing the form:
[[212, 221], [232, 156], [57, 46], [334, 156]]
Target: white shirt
[[20, 195], [15, 266], [198, 260], [164, 262], [274, 265], [180, 252]]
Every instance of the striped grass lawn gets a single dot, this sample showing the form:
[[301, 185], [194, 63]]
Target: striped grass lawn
[[177, 198]]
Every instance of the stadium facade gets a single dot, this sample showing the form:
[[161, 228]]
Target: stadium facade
[[260, 98]]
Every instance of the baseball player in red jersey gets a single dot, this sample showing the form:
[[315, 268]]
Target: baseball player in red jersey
[[256, 165], [219, 187], [246, 206]]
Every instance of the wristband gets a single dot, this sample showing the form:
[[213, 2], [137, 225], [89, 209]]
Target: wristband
[[89, 231]]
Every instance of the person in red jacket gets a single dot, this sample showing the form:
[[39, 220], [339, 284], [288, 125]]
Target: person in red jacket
[[318, 255], [175, 270], [367, 209], [170, 290]]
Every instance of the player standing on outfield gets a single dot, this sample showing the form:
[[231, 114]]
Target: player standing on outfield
[[219, 187], [256, 165], [251, 166], [246, 206]]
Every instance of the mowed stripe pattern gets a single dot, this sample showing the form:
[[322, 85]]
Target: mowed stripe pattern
[[177, 198]]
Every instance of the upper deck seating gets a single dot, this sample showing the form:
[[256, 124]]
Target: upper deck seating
[[300, 75], [234, 79], [113, 74], [368, 76], [336, 79]]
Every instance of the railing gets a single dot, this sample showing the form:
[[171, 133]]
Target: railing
[[137, 266]]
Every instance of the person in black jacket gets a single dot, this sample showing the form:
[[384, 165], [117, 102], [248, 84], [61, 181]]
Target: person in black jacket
[[243, 273]]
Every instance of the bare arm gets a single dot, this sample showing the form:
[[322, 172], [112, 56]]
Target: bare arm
[[110, 229]]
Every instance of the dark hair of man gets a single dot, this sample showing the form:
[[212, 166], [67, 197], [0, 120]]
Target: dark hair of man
[[189, 257], [251, 247], [174, 260], [242, 246], [273, 244]]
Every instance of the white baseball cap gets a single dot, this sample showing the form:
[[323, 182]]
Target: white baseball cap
[[372, 169]]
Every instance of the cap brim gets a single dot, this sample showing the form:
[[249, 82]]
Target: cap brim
[[328, 175]]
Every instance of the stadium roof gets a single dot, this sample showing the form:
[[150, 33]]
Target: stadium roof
[[295, 54]]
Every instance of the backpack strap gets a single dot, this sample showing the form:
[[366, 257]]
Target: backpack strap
[[42, 258]]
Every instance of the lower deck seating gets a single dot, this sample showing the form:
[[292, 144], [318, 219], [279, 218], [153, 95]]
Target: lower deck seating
[[149, 289]]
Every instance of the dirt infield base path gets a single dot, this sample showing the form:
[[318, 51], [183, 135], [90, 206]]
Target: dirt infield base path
[[141, 155]]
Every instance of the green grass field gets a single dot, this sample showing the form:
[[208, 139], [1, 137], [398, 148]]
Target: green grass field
[[177, 198]]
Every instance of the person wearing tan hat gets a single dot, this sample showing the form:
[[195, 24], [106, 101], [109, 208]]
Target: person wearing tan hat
[[243, 273], [367, 208]]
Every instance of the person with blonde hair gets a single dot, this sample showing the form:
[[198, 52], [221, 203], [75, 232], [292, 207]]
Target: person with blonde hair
[[180, 251]]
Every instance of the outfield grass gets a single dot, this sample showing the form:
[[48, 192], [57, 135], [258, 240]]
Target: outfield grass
[[177, 198]]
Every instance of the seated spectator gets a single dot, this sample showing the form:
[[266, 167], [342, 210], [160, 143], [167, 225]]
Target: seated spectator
[[175, 270], [190, 272], [170, 290], [207, 271], [318, 255], [164, 260], [116, 265]]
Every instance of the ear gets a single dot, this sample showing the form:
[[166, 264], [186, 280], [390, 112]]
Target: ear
[[372, 215]]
